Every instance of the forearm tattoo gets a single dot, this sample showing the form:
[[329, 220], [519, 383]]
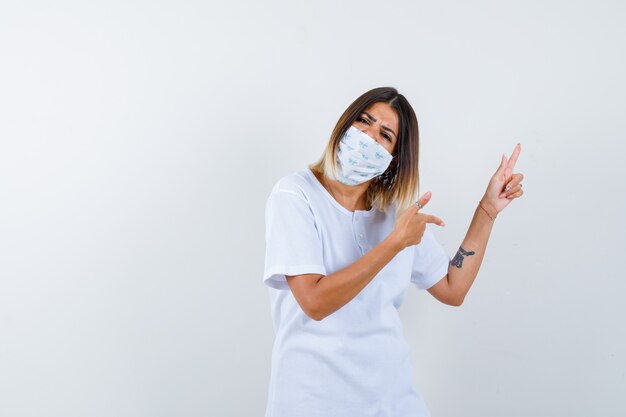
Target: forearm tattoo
[[458, 258]]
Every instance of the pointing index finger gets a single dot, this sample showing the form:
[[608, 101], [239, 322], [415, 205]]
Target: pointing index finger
[[434, 219]]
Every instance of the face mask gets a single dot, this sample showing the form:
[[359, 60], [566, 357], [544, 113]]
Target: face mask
[[360, 158]]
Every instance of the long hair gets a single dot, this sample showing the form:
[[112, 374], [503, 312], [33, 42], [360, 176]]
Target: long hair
[[399, 184]]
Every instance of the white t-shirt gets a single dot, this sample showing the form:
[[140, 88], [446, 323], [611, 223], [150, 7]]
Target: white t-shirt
[[355, 362]]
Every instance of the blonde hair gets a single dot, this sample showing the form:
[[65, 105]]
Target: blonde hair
[[399, 184]]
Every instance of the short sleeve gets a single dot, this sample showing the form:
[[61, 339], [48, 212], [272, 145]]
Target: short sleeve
[[292, 243], [430, 261]]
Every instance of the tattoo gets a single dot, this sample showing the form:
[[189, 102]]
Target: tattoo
[[458, 258]]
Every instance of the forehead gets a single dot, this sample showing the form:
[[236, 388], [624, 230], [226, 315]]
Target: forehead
[[385, 113]]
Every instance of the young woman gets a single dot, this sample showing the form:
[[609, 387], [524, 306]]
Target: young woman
[[344, 239]]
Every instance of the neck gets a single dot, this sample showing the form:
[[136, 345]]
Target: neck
[[351, 197]]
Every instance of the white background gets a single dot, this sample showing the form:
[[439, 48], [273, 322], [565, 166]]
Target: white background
[[140, 140]]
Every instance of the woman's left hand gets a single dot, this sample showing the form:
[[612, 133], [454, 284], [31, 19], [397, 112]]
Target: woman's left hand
[[504, 186]]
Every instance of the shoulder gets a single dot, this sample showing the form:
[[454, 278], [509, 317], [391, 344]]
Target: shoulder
[[297, 183], [291, 198]]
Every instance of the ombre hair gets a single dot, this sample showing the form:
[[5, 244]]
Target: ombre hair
[[399, 184]]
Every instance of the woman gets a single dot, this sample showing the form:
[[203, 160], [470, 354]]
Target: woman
[[344, 239]]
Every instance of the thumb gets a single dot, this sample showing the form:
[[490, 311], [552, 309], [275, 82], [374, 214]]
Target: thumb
[[425, 198]]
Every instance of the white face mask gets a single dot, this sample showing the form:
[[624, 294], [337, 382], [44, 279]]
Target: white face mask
[[360, 158]]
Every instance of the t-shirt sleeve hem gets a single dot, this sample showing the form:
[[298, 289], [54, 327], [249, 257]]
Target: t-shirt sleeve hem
[[275, 277], [437, 276]]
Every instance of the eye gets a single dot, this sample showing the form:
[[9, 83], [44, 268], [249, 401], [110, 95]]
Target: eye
[[362, 120], [386, 136]]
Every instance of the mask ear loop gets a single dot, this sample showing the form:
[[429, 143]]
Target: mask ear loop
[[387, 178]]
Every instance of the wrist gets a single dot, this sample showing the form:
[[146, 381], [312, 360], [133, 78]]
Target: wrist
[[488, 208], [394, 242]]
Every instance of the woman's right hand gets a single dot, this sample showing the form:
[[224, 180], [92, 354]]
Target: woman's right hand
[[411, 224]]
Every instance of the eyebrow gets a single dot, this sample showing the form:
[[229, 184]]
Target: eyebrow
[[384, 127]]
